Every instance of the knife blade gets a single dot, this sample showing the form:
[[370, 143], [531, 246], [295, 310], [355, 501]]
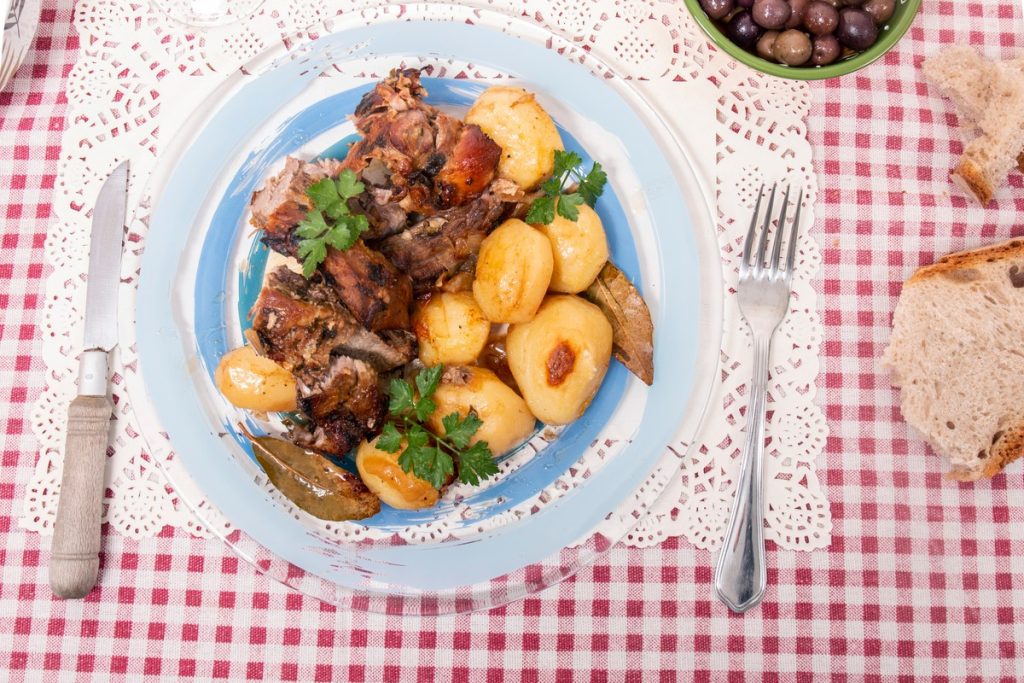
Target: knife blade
[[74, 553], [105, 262]]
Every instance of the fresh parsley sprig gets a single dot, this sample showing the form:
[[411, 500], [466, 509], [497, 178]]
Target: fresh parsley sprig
[[428, 455], [330, 223], [568, 171]]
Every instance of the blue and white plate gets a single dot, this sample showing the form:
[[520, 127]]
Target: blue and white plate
[[203, 266]]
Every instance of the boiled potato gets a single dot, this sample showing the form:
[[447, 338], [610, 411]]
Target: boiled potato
[[560, 357], [507, 422], [451, 329], [524, 131], [579, 249], [251, 381], [513, 271], [383, 475]]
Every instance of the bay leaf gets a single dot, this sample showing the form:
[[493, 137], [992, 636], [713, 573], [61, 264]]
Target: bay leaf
[[313, 482], [626, 310]]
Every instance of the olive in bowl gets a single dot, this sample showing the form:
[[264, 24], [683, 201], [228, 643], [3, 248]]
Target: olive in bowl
[[805, 39]]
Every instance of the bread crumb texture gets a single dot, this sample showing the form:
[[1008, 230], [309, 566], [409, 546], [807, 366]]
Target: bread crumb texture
[[957, 356], [989, 100]]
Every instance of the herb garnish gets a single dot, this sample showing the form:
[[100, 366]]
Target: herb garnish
[[329, 222], [589, 187], [428, 455]]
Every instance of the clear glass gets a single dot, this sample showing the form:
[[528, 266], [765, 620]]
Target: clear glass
[[207, 13]]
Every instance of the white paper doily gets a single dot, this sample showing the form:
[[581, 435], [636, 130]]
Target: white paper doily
[[136, 78]]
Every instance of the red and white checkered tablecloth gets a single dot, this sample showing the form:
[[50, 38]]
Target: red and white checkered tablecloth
[[922, 579]]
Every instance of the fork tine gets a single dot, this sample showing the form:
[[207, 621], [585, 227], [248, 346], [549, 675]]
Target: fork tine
[[773, 269], [749, 242], [762, 243], [794, 231]]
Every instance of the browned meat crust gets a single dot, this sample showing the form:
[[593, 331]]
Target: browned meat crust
[[301, 326], [437, 245], [281, 203], [376, 292], [433, 161], [370, 286]]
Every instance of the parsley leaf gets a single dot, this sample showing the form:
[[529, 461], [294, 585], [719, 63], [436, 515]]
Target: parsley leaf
[[476, 463], [459, 431], [542, 211], [566, 174], [424, 409], [400, 392], [330, 201], [428, 379], [428, 455], [565, 162], [313, 252], [312, 226], [390, 440], [568, 206], [324, 194], [428, 463], [592, 185], [349, 185]]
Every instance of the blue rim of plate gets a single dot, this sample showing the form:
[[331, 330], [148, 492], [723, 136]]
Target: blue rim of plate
[[167, 357]]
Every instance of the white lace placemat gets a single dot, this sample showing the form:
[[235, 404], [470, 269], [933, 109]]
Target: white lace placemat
[[137, 76]]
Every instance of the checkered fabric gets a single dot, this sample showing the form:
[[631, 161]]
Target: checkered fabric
[[921, 580]]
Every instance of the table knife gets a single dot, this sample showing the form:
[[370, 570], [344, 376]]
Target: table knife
[[74, 553]]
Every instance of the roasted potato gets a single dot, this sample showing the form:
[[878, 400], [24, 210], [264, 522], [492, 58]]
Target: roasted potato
[[507, 422], [560, 357], [251, 381], [383, 475], [579, 249], [450, 328], [513, 271], [526, 134]]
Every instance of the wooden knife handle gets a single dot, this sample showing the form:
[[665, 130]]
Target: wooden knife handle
[[74, 554]]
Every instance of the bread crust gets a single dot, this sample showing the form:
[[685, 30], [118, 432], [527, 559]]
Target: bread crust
[[972, 179], [960, 260], [1007, 443], [1008, 447]]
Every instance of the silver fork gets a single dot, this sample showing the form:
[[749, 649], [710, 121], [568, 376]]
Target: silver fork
[[763, 293]]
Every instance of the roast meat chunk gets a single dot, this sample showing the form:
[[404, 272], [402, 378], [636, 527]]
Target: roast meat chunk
[[282, 203], [432, 161], [437, 245], [301, 325]]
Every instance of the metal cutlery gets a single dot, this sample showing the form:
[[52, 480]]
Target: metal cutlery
[[74, 553], [763, 294]]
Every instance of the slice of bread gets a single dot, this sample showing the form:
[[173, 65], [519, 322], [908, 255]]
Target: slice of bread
[[988, 96], [957, 355]]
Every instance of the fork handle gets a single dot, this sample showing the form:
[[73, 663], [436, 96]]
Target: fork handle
[[740, 576]]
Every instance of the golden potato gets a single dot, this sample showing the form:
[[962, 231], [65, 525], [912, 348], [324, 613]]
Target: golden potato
[[251, 381], [579, 249], [507, 422], [560, 357], [526, 134], [513, 271], [450, 328], [383, 475]]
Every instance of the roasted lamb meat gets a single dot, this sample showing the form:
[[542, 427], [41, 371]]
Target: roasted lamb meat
[[432, 161], [301, 325], [376, 293], [370, 286], [437, 245], [282, 203]]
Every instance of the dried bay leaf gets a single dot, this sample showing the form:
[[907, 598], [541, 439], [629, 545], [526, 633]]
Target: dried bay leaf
[[626, 310], [312, 482]]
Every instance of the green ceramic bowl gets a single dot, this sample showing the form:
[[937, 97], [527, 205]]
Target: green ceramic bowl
[[888, 36]]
